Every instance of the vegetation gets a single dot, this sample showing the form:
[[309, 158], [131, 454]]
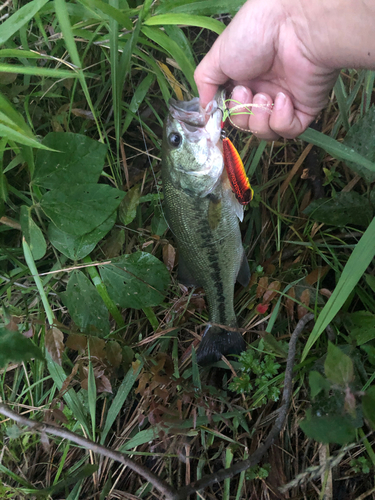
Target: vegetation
[[98, 337]]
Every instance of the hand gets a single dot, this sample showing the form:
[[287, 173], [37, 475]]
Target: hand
[[263, 54]]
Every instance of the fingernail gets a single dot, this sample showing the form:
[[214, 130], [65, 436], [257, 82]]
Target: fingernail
[[261, 103], [280, 100], [241, 94]]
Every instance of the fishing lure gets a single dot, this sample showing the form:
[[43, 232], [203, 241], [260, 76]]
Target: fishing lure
[[233, 164], [235, 169]]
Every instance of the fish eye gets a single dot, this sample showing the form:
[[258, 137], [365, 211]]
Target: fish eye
[[175, 139]]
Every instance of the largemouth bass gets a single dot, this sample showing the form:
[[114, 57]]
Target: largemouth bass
[[203, 214]]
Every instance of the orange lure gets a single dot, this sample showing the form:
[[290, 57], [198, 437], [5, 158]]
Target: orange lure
[[236, 173]]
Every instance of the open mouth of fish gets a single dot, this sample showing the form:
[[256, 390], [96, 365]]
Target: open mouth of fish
[[191, 114]]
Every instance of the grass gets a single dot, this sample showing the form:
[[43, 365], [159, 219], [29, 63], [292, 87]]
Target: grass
[[131, 382]]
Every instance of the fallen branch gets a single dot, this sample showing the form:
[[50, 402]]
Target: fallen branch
[[168, 491]]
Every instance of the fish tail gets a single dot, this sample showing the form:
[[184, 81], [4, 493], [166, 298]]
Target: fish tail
[[216, 342]]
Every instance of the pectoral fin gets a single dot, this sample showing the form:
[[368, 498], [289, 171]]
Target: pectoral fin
[[243, 276]]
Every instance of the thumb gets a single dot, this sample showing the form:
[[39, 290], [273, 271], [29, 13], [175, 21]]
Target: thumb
[[208, 75]]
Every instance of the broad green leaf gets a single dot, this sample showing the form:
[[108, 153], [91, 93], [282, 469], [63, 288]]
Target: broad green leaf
[[22, 16], [77, 160], [188, 20], [137, 99], [158, 224], [368, 405], [32, 234], [317, 383], [85, 305], [201, 7], [360, 139], [77, 247], [338, 367], [357, 264], [137, 280], [361, 326], [175, 51], [16, 348], [336, 149], [128, 206], [337, 429], [80, 209], [344, 209]]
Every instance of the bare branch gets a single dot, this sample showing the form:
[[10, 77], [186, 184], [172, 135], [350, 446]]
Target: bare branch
[[158, 483]]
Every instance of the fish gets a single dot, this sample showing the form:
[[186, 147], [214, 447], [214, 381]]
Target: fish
[[203, 214]]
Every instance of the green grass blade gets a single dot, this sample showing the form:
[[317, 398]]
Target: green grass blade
[[19, 19], [119, 400], [357, 264], [202, 7], [255, 161], [102, 290], [36, 71], [187, 20], [63, 18], [116, 84], [91, 394], [335, 148], [66, 28], [25, 54], [59, 376], [31, 265], [109, 10], [20, 137], [140, 438], [157, 36], [342, 102], [137, 99], [367, 94]]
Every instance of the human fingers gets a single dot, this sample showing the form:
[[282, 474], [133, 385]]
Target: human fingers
[[286, 120], [240, 105], [254, 114]]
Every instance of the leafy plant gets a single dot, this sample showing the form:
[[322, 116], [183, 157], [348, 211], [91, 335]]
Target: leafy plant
[[256, 371]]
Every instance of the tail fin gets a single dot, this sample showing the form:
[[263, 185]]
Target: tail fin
[[217, 342]]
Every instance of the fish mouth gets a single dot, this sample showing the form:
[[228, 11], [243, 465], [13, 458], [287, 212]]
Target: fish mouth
[[186, 106], [188, 113]]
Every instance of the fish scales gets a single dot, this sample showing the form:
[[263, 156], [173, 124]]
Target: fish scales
[[201, 211]]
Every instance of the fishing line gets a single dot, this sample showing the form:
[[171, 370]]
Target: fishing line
[[235, 111]]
